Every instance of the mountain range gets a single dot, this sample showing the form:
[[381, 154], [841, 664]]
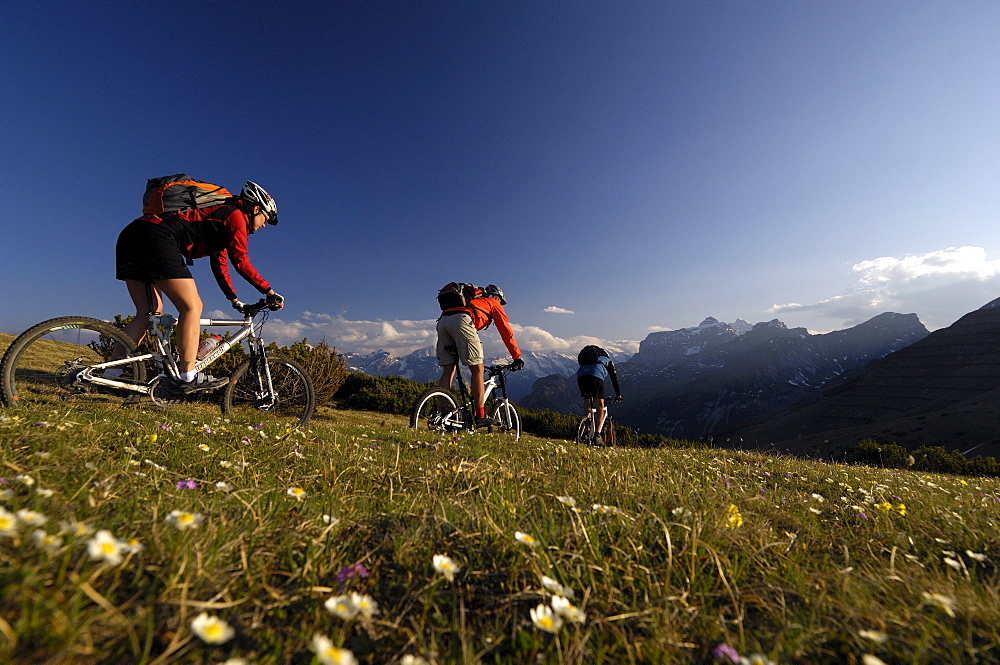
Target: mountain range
[[940, 391], [716, 377], [421, 365]]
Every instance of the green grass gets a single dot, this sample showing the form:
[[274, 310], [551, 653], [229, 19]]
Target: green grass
[[670, 552]]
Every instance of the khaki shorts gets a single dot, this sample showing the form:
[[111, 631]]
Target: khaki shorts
[[457, 330]]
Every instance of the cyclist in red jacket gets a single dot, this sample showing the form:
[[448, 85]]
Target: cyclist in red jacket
[[458, 327], [152, 257]]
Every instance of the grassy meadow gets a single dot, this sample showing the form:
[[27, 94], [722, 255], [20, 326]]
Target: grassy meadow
[[140, 535]]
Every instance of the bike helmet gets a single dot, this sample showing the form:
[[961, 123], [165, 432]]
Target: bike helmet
[[494, 291], [255, 194]]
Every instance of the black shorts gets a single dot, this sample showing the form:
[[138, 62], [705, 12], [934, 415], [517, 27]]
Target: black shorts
[[148, 252], [590, 387]]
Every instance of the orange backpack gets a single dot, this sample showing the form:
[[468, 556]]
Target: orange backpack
[[173, 193]]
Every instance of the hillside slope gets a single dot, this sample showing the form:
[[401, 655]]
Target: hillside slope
[[940, 391]]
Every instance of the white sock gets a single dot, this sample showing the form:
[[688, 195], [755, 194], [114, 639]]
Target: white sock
[[188, 377]]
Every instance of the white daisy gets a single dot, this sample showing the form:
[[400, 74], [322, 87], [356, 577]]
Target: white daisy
[[446, 566], [545, 619], [211, 629], [105, 547]]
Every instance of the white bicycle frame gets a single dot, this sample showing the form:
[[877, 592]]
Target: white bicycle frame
[[453, 418], [160, 327]]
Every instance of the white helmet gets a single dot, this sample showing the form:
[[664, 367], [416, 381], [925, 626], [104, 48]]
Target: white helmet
[[493, 291], [255, 194]]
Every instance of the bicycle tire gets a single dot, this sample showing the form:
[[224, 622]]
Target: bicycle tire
[[246, 396], [43, 364], [585, 431], [422, 415], [510, 419]]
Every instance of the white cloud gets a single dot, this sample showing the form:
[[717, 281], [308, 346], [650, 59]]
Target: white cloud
[[557, 310], [938, 286], [354, 336], [401, 337]]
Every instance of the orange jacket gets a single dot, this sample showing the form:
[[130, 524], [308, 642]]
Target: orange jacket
[[483, 310]]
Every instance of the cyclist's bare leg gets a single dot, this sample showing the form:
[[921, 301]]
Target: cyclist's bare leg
[[183, 293], [599, 401], [447, 378], [137, 327], [140, 292], [477, 387], [475, 384]]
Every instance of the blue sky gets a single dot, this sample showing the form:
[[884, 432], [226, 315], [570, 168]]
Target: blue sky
[[616, 168]]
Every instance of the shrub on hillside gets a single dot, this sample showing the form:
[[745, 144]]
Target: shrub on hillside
[[323, 364], [549, 423], [387, 394], [885, 455], [935, 459]]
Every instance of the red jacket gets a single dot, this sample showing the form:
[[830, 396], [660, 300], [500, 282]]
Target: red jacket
[[221, 233], [483, 310]]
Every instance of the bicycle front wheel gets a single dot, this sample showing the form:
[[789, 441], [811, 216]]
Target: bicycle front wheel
[[288, 398], [585, 431], [53, 362], [510, 420], [437, 411]]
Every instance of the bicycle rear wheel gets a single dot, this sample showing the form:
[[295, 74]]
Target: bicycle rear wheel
[[437, 411], [249, 397], [510, 420], [585, 431], [52, 361]]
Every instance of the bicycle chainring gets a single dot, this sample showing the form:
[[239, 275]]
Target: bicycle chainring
[[162, 393]]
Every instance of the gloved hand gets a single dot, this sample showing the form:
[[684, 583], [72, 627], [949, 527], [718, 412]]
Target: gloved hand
[[618, 398], [516, 365], [275, 301], [238, 305]]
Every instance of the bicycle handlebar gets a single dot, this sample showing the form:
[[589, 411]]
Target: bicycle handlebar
[[498, 369], [256, 308]]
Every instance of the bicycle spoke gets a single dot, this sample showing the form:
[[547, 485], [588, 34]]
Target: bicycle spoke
[[52, 362], [249, 395], [510, 419], [436, 410]]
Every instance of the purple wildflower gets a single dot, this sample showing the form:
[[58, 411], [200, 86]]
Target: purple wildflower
[[188, 484], [724, 651], [353, 570], [165, 428]]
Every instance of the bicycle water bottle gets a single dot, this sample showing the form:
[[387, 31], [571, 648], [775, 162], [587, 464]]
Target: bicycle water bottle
[[208, 345]]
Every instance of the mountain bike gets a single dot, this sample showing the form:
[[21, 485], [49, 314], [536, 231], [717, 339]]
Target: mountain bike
[[65, 359], [588, 425], [438, 411]]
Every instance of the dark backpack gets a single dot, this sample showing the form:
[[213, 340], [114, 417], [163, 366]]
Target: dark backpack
[[457, 294], [589, 355], [174, 193]]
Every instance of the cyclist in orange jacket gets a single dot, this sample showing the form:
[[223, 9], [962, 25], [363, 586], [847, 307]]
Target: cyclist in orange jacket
[[459, 327]]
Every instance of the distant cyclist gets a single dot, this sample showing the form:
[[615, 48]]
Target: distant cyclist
[[459, 327], [152, 257], [595, 367]]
